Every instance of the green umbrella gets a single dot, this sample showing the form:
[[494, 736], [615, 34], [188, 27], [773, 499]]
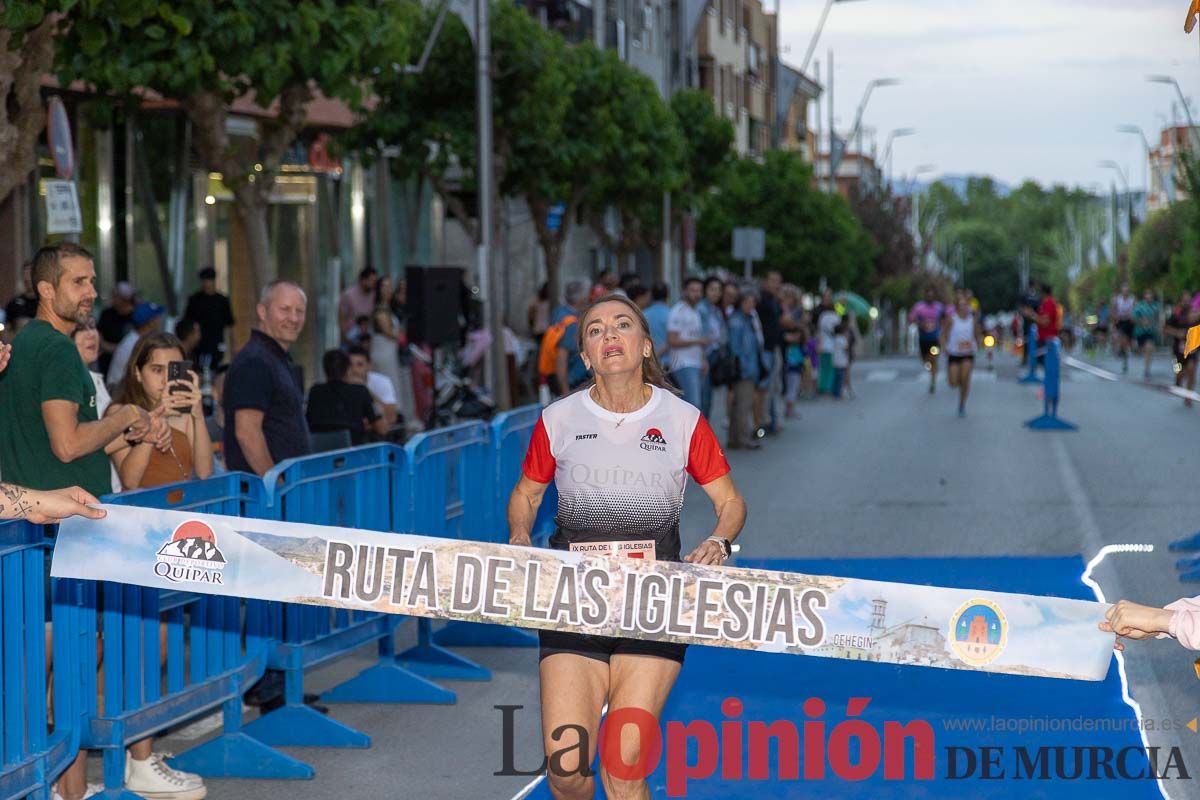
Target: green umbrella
[[856, 302]]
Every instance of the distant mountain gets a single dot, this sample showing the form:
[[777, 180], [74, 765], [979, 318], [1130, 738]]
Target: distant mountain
[[956, 182]]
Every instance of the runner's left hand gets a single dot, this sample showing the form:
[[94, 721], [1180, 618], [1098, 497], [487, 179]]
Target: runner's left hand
[[5, 354], [707, 553]]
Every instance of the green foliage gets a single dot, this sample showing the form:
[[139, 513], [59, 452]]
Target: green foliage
[[1185, 263], [634, 176], [708, 144], [229, 47], [809, 234], [1030, 219], [988, 254], [1155, 244]]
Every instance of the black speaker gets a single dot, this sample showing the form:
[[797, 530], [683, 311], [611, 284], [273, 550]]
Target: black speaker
[[434, 304]]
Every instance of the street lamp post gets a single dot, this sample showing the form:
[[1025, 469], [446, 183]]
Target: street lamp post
[[856, 131], [887, 149], [1115, 167], [812, 43], [1182, 100], [915, 200], [1168, 188]]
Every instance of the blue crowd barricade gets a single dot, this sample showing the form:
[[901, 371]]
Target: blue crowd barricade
[[362, 487], [511, 432], [168, 656], [451, 494], [1031, 354], [37, 741], [1049, 420]]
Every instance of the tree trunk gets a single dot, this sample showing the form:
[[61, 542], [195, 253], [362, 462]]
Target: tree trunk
[[252, 211], [22, 115]]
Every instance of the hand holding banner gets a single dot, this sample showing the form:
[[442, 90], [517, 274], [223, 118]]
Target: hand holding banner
[[750, 609]]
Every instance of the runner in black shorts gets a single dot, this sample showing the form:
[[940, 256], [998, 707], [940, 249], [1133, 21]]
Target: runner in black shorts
[[1182, 317], [620, 451]]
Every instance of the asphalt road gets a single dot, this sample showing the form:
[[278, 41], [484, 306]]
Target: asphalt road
[[892, 473]]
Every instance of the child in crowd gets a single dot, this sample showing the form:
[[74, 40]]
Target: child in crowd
[[841, 358]]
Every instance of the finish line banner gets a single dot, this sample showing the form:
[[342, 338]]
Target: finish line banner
[[748, 609]]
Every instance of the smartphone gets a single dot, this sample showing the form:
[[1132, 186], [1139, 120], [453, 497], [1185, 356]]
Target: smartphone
[[178, 371]]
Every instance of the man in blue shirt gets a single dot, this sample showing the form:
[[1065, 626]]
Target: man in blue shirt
[[264, 396], [656, 316]]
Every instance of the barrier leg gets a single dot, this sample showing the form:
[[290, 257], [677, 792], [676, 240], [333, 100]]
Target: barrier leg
[[432, 661], [233, 754], [297, 725], [483, 634], [1049, 420], [388, 682], [114, 776], [1031, 352]]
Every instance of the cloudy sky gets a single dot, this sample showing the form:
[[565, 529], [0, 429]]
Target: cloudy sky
[[1016, 89]]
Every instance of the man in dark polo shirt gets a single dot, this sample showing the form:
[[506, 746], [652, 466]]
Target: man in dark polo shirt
[[264, 399], [50, 436]]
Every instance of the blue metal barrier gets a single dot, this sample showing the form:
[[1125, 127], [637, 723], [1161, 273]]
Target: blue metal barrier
[[451, 493], [511, 432], [31, 754], [171, 655], [363, 487], [509, 439], [1049, 420]]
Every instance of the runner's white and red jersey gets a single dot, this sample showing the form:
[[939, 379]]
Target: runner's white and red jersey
[[622, 476]]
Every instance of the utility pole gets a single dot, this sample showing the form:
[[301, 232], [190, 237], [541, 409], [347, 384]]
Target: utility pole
[[496, 365], [832, 131]]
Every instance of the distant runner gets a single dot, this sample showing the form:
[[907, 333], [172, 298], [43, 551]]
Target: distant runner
[[1122, 315], [1182, 317], [961, 337], [927, 315], [1145, 331]]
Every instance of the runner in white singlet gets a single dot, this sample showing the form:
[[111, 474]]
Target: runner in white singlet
[[961, 336], [620, 452]]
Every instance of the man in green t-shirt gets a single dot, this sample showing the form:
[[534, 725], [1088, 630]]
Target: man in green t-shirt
[[50, 436]]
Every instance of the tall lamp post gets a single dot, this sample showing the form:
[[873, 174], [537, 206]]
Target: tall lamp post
[[1115, 167], [916, 209], [887, 149], [1182, 101], [1168, 188], [812, 43], [856, 131]]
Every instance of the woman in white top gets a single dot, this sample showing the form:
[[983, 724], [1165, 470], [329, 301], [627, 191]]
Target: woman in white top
[[961, 336], [87, 342], [626, 415]]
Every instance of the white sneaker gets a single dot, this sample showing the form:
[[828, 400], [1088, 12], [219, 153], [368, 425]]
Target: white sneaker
[[154, 780], [92, 789], [162, 755]]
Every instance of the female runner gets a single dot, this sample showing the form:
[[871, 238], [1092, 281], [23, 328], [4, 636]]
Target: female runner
[[620, 451]]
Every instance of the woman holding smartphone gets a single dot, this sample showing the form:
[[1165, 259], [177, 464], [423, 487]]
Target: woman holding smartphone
[[159, 380]]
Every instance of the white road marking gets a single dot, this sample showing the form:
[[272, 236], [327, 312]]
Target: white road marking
[[1071, 361], [1091, 534], [882, 375]]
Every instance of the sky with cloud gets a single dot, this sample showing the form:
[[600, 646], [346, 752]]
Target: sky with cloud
[[1015, 89]]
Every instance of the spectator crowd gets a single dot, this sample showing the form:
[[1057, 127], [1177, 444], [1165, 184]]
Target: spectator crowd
[[753, 349]]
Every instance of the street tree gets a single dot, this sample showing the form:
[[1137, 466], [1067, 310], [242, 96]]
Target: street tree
[[809, 234], [26, 55], [427, 121], [206, 55], [646, 162]]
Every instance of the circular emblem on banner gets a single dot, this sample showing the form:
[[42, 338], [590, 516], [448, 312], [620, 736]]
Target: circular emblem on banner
[[978, 632], [58, 132]]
